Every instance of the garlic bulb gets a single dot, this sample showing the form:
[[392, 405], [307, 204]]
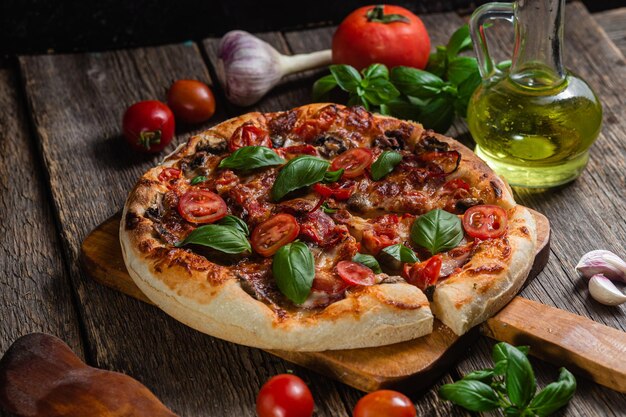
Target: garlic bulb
[[602, 262], [604, 291], [249, 67]]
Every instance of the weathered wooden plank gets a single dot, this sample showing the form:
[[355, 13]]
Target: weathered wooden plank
[[77, 103], [35, 293], [614, 24]]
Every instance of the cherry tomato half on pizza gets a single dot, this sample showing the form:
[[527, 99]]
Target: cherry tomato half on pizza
[[355, 274], [353, 162], [485, 221], [201, 206], [249, 135], [423, 274], [148, 126], [385, 403], [274, 233], [284, 395]]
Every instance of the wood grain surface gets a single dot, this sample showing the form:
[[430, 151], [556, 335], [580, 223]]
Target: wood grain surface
[[76, 103], [614, 24]]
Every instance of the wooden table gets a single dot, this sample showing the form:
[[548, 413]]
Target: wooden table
[[64, 169]]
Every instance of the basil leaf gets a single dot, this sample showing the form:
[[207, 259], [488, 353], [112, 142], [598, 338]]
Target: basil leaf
[[472, 395], [356, 100], [333, 176], [347, 77], [401, 253], [485, 375], [222, 238], [236, 223], [438, 114], [519, 377], [251, 157], [459, 41], [380, 91], [438, 62], [554, 395], [465, 91], [327, 209], [323, 86], [369, 261], [198, 179], [437, 231], [402, 109], [294, 269], [417, 83], [376, 71], [385, 163], [297, 173], [500, 356], [460, 68]]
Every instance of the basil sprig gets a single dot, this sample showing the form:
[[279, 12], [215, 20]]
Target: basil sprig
[[511, 386], [299, 172], [294, 269], [367, 260], [437, 231], [225, 239], [198, 179], [235, 222], [251, 157], [401, 253], [333, 176], [384, 164]]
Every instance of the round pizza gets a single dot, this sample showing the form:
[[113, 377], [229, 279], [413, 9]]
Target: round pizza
[[325, 227]]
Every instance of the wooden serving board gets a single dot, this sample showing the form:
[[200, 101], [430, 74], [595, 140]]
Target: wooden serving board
[[416, 364]]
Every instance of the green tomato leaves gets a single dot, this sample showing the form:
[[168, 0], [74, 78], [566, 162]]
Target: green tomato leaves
[[511, 386], [223, 238], [299, 172], [251, 157], [437, 231], [294, 270], [385, 163]]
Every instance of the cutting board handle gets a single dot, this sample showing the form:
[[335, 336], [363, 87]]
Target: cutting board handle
[[564, 339]]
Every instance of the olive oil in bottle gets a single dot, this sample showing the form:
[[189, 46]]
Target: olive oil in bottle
[[535, 123]]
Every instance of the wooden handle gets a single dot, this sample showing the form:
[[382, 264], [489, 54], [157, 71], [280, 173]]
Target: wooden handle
[[565, 339], [40, 376]]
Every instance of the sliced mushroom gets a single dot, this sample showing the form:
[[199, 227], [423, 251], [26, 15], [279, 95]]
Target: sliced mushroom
[[329, 146]]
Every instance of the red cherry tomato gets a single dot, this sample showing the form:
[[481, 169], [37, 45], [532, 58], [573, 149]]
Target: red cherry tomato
[[191, 101], [363, 38], [456, 184], [338, 192], [284, 395], [201, 206], [423, 274], [485, 221], [148, 126], [355, 274], [384, 403], [274, 233], [353, 162], [299, 150], [169, 176], [249, 135]]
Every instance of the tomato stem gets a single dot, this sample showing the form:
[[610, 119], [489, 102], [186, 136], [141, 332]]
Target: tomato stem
[[377, 14], [149, 137]]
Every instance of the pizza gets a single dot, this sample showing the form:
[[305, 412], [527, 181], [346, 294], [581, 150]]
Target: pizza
[[325, 227]]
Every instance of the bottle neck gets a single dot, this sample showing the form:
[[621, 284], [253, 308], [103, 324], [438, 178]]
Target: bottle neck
[[537, 58]]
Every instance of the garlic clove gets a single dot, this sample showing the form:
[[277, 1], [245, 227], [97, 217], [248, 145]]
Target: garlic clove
[[604, 291], [602, 262]]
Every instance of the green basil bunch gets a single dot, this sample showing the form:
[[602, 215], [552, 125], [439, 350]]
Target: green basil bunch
[[511, 386]]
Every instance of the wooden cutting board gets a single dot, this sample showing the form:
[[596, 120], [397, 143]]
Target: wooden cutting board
[[416, 364]]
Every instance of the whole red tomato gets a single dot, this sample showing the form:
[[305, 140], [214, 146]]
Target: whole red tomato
[[385, 403], [284, 395], [191, 101], [385, 34], [148, 126]]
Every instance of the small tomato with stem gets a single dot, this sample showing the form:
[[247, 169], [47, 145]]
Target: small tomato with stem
[[284, 395], [148, 126]]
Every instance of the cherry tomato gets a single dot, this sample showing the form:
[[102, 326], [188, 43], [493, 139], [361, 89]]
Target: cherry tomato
[[338, 192], [456, 184], [355, 274], [363, 38], [485, 221], [299, 150], [384, 403], [423, 274], [284, 395], [169, 176], [353, 161], [201, 206], [249, 135], [191, 101], [148, 126], [274, 233]]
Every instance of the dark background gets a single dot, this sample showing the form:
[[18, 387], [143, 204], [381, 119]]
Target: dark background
[[40, 26]]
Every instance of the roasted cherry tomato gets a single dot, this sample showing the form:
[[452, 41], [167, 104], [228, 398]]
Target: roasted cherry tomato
[[354, 162], [423, 274], [485, 221], [441, 163], [334, 190], [191, 101], [148, 126], [169, 174], [249, 135], [284, 395], [456, 184], [274, 233], [384, 403], [355, 274], [299, 150], [384, 34], [201, 206]]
